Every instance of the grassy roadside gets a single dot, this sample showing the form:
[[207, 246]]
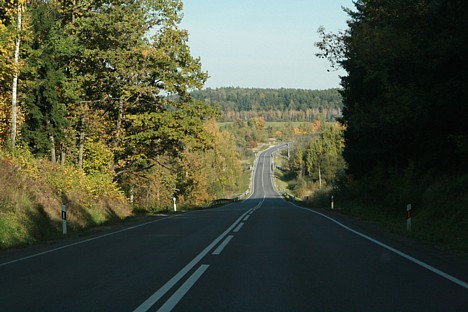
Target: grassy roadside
[[439, 205], [439, 208], [444, 233], [34, 190]]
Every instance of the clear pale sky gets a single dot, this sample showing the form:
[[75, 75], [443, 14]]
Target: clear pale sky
[[263, 43]]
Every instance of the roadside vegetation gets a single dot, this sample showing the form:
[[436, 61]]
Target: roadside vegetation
[[110, 119], [96, 113], [33, 191], [404, 119]]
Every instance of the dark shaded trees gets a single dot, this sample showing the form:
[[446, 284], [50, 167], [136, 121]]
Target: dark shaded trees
[[405, 96]]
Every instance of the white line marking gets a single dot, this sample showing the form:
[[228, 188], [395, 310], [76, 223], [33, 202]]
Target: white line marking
[[263, 173], [246, 217], [84, 241], [222, 245], [400, 253], [145, 306], [238, 227], [396, 251], [180, 293]]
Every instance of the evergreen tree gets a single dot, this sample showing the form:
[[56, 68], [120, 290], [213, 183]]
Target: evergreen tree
[[45, 74], [404, 96]]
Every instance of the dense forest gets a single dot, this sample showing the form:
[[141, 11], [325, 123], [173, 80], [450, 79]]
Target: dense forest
[[273, 104], [85, 95], [405, 101], [405, 95], [102, 108]]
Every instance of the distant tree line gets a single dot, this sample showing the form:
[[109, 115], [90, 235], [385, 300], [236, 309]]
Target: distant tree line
[[273, 104]]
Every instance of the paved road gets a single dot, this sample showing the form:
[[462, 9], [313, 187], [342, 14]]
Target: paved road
[[262, 254]]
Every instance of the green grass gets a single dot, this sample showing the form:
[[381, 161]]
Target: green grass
[[244, 181], [31, 198], [440, 208]]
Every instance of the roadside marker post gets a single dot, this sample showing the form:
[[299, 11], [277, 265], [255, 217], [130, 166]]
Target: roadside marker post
[[175, 205], [64, 219], [332, 205], [408, 217]]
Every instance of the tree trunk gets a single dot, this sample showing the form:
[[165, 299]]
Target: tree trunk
[[320, 176], [53, 154], [62, 155], [118, 131], [73, 12], [119, 123], [14, 93], [81, 142]]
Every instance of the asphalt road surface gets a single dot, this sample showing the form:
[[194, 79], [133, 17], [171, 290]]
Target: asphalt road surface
[[262, 254]]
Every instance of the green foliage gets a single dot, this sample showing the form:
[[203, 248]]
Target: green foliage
[[323, 158], [196, 178], [98, 158], [105, 87], [405, 112], [316, 161], [154, 191], [296, 164], [248, 134], [403, 95]]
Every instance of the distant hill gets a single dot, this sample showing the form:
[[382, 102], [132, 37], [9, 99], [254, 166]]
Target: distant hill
[[274, 104]]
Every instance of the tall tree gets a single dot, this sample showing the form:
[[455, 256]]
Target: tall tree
[[323, 157], [14, 91], [7, 46], [403, 95], [154, 123], [44, 75], [296, 163], [109, 83]]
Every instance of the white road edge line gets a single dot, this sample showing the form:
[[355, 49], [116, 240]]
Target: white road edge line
[[148, 303], [180, 293], [84, 241], [237, 229], [396, 251], [400, 253], [222, 245]]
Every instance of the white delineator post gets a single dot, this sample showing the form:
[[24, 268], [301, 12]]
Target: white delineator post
[[64, 219], [175, 205], [332, 205], [408, 217]]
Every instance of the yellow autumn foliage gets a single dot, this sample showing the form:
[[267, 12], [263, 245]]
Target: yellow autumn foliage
[[34, 189]]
